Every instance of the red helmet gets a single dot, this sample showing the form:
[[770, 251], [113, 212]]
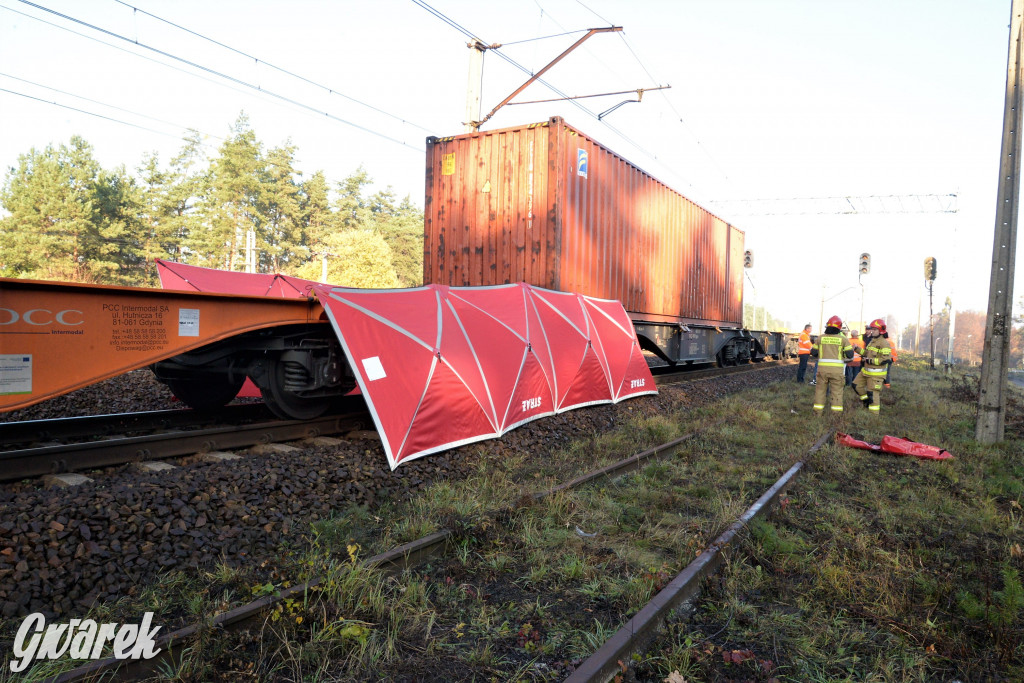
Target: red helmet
[[834, 321], [878, 324]]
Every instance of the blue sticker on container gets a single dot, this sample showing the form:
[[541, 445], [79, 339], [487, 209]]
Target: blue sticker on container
[[581, 162]]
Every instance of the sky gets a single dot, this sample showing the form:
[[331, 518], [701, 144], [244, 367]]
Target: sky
[[774, 107]]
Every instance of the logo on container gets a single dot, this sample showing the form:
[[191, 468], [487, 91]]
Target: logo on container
[[81, 639], [581, 162]]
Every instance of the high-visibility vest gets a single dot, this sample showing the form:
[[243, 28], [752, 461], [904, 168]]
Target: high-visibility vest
[[876, 353], [804, 344], [857, 343], [892, 350], [832, 349]]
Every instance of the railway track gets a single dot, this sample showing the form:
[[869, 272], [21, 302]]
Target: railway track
[[172, 434], [603, 665], [667, 375], [28, 432], [635, 634], [121, 439]]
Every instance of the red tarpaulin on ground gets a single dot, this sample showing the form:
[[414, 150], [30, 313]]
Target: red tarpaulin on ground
[[897, 446], [444, 366]]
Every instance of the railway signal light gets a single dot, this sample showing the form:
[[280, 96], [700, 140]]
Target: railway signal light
[[748, 259], [931, 267], [864, 266]]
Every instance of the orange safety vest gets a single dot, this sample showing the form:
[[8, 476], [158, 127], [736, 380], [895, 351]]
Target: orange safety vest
[[892, 350], [858, 344], [804, 344]]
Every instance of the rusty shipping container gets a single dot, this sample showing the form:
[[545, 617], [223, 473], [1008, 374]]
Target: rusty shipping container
[[548, 205]]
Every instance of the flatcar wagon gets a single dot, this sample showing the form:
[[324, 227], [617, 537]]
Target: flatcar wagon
[[542, 204]]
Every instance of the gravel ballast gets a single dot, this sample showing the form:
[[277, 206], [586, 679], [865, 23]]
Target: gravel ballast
[[64, 550]]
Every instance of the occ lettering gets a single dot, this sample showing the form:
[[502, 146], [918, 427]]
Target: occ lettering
[[41, 316]]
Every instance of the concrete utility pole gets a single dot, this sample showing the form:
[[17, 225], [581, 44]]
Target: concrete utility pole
[[931, 325], [951, 334], [250, 251], [929, 278], [996, 353]]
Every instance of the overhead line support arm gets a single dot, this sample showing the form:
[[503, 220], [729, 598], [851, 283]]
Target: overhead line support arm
[[476, 124]]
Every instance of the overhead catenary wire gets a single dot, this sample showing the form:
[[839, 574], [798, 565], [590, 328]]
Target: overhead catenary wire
[[111, 119], [841, 204], [531, 40], [472, 36], [114, 120], [89, 113], [112, 46], [103, 104], [603, 120], [679, 117], [226, 80], [192, 74], [225, 76], [330, 90]]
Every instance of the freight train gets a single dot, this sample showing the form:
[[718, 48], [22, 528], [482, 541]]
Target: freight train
[[547, 205], [542, 204]]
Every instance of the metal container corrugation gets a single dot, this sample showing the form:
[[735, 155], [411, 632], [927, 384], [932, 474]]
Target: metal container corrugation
[[548, 205]]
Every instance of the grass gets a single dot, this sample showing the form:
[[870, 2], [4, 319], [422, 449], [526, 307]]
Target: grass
[[877, 568], [880, 568]]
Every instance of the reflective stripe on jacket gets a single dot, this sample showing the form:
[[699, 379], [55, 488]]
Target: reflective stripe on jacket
[[804, 344], [876, 353], [833, 349]]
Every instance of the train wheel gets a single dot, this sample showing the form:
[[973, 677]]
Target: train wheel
[[727, 357], [206, 392], [286, 404]]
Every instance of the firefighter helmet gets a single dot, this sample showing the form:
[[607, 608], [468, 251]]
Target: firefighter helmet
[[834, 321], [878, 324]]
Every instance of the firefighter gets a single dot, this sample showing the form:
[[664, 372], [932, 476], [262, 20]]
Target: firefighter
[[832, 350], [853, 367], [803, 352], [893, 358], [874, 359]]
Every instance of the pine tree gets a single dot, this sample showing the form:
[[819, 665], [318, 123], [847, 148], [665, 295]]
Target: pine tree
[[402, 229], [229, 206], [69, 219], [352, 211], [316, 211], [169, 215], [119, 256], [281, 241]]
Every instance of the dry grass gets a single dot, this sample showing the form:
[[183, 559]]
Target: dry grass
[[879, 568]]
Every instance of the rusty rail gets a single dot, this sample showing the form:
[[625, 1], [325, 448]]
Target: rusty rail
[[603, 665]]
